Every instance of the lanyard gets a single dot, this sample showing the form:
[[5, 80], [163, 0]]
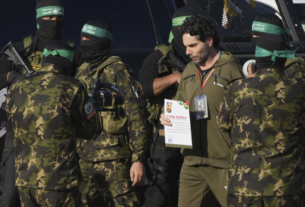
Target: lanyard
[[205, 79]]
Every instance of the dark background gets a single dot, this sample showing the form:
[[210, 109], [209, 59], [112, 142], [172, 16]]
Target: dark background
[[131, 21], [134, 36]]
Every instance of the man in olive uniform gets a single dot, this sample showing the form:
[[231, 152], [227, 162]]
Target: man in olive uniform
[[272, 24], [265, 115], [205, 167], [113, 159], [49, 18], [48, 110], [159, 77]]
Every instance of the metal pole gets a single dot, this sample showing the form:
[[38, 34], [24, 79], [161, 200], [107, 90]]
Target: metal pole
[[153, 22], [291, 19]]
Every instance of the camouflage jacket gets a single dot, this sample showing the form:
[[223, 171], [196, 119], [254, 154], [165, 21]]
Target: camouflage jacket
[[47, 112], [265, 115], [295, 68], [123, 134]]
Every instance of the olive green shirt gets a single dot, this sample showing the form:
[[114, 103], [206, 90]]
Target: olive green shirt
[[211, 146]]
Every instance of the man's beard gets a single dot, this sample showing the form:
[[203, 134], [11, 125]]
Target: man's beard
[[204, 55]]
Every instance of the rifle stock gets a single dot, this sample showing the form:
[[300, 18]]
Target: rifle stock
[[11, 51]]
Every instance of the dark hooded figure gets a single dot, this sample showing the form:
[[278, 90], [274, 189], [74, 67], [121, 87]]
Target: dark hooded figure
[[159, 78], [265, 117], [48, 110], [272, 24], [113, 162], [49, 18]]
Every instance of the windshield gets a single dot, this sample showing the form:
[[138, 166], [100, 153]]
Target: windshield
[[234, 18]]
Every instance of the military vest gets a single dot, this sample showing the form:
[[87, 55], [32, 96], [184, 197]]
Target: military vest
[[156, 104], [295, 68], [36, 57], [109, 119]]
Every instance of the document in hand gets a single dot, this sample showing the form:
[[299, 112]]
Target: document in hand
[[179, 134]]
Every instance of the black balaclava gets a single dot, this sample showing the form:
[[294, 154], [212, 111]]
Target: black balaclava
[[60, 54], [99, 45], [49, 30], [178, 41], [258, 27], [270, 43]]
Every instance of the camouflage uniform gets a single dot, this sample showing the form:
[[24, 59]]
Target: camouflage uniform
[[266, 117], [105, 160], [295, 68], [47, 112]]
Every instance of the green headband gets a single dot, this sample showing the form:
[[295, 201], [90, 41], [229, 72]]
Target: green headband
[[261, 52], [96, 31], [268, 28], [50, 11], [178, 21], [303, 25], [61, 52]]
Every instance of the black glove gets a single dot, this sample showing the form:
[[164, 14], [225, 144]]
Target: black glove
[[14, 77]]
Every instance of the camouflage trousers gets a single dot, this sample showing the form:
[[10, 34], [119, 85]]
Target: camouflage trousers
[[107, 184], [33, 197], [266, 201]]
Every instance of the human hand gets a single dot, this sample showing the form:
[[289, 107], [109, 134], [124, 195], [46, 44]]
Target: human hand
[[137, 173], [250, 73], [165, 121]]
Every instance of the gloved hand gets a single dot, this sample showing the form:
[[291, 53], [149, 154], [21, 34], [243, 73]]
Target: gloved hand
[[13, 77]]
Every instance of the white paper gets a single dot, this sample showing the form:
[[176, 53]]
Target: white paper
[[179, 134]]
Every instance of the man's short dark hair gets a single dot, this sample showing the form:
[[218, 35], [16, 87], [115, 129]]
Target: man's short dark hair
[[203, 28]]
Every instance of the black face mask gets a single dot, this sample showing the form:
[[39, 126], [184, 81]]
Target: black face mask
[[254, 41], [93, 51], [49, 29], [179, 46]]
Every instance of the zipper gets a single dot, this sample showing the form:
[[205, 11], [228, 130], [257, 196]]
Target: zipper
[[190, 76]]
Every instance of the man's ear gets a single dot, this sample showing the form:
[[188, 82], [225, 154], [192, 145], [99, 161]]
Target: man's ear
[[210, 41]]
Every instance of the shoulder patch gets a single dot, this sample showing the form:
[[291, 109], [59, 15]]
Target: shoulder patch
[[137, 88], [89, 108]]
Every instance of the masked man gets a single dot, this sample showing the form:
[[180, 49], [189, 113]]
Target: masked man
[[112, 162], [272, 24], [48, 110], [49, 18], [265, 116]]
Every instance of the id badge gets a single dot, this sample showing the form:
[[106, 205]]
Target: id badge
[[201, 107]]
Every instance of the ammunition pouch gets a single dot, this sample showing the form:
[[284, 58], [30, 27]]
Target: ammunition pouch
[[113, 119], [114, 124]]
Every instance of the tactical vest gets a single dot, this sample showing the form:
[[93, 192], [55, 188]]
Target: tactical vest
[[109, 120], [295, 68], [155, 104], [36, 57]]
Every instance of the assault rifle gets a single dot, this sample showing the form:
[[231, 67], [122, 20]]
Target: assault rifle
[[173, 61], [13, 54]]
